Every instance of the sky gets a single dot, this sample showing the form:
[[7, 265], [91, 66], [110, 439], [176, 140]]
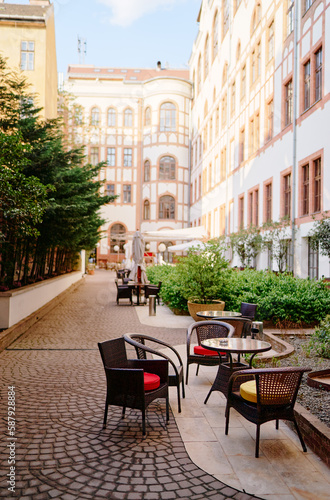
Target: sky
[[125, 33]]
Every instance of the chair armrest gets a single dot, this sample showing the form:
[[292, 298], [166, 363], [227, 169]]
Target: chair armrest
[[156, 366], [146, 348]]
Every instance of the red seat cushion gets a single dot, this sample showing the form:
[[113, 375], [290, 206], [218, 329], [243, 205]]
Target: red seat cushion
[[198, 349], [151, 381]]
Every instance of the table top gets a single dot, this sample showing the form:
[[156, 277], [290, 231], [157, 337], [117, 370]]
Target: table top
[[218, 314], [236, 345]]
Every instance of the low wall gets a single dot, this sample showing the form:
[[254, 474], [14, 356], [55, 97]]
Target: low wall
[[15, 305]]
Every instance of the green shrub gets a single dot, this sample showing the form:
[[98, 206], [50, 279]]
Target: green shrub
[[320, 340]]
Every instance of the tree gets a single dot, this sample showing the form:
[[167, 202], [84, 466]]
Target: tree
[[247, 243], [276, 237], [320, 235]]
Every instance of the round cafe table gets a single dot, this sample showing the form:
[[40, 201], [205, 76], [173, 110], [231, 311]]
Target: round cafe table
[[218, 314], [230, 346]]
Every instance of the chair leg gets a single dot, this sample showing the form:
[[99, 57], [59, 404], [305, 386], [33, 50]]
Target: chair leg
[[179, 403], [257, 441], [167, 410], [105, 415], [183, 393], [277, 424], [300, 436], [144, 422], [187, 372], [227, 413], [123, 412], [197, 369]]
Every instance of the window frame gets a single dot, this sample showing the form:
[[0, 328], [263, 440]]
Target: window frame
[[166, 206], [128, 118], [29, 63], [127, 193], [111, 117], [167, 168], [128, 157], [167, 117]]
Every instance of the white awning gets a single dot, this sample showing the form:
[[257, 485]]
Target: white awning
[[183, 247], [184, 234]]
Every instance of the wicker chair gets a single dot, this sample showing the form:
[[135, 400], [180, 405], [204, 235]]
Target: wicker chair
[[125, 380], [206, 330], [242, 326], [175, 376], [123, 292], [153, 290], [276, 392], [248, 310]]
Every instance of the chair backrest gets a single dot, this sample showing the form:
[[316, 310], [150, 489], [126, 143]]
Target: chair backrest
[[210, 329], [151, 290], [248, 310], [278, 386], [113, 353], [242, 326]]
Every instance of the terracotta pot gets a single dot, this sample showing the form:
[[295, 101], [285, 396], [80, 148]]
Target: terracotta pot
[[193, 308]]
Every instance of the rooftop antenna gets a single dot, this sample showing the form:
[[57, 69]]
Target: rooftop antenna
[[82, 49]]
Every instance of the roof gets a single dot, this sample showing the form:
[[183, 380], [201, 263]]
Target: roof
[[127, 74], [10, 11]]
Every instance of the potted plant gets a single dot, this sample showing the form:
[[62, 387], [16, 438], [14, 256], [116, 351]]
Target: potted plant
[[203, 275]]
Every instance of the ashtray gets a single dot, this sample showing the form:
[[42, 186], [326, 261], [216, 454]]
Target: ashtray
[[223, 342]]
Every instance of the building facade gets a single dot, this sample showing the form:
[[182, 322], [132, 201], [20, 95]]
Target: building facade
[[27, 41], [137, 122], [260, 115]]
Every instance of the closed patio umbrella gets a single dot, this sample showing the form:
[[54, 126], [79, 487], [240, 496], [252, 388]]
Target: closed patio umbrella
[[137, 255]]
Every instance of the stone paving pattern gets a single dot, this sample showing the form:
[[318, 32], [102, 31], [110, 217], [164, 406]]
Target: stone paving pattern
[[61, 449]]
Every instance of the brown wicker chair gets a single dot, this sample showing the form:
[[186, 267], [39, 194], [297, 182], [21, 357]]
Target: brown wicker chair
[[248, 310], [123, 292], [175, 376], [276, 392], [125, 380], [206, 330], [242, 326], [153, 290]]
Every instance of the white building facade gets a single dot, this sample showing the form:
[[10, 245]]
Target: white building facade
[[137, 122], [254, 67]]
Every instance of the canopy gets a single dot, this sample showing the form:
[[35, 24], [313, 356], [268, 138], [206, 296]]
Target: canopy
[[183, 247], [137, 255], [187, 233]]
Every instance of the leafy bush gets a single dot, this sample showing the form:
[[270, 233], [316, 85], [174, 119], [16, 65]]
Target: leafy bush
[[320, 340]]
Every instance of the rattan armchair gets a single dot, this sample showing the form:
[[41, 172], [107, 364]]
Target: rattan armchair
[[206, 330], [123, 292], [153, 290], [248, 310], [142, 343], [273, 398], [125, 380]]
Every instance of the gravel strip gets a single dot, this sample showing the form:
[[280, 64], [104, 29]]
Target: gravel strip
[[317, 401]]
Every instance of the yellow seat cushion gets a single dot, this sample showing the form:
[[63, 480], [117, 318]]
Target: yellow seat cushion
[[248, 391]]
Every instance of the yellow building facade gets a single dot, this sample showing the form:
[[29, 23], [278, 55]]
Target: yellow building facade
[[27, 42]]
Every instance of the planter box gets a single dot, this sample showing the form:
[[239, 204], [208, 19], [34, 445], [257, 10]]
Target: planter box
[[193, 308], [17, 304]]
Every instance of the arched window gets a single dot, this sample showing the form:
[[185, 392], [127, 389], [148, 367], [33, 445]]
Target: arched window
[[111, 117], [215, 35], [147, 117], [146, 210], [238, 51], [225, 17], [206, 57], [146, 176], [199, 74], [95, 116], [167, 168], [116, 231], [128, 118], [167, 117], [166, 207], [224, 74], [256, 17]]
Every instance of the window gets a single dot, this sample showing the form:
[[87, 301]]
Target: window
[[270, 121], [224, 110], [256, 18], [307, 4], [111, 157], [287, 195], [317, 185], [289, 17], [288, 255], [211, 131], [166, 207], [271, 41], [126, 193], [269, 255], [243, 82], [307, 85], [146, 176], [167, 168], [256, 63], [223, 161], [127, 157], [241, 212], [217, 121], [110, 190], [111, 117], [167, 117], [256, 207], [147, 117], [146, 210], [116, 231], [268, 202], [233, 98], [206, 57], [95, 117], [313, 260], [318, 75], [94, 156], [199, 74], [225, 17], [215, 35], [288, 103], [305, 190], [77, 115], [242, 145], [254, 134], [128, 118], [27, 56]]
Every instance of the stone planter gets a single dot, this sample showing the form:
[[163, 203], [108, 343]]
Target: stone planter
[[195, 307]]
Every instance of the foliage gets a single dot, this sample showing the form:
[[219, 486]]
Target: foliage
[[277, 239], [170, 292], [320, 340], [247, 243], [320, 235]]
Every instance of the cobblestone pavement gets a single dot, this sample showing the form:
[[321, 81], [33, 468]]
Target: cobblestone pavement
[[60, 448]]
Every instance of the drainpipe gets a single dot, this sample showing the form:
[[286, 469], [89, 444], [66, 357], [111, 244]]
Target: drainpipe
[[294, 135], [228, 119], [189, 163]]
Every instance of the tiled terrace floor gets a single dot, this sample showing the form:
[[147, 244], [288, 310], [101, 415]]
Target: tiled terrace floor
[[62, 451]]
